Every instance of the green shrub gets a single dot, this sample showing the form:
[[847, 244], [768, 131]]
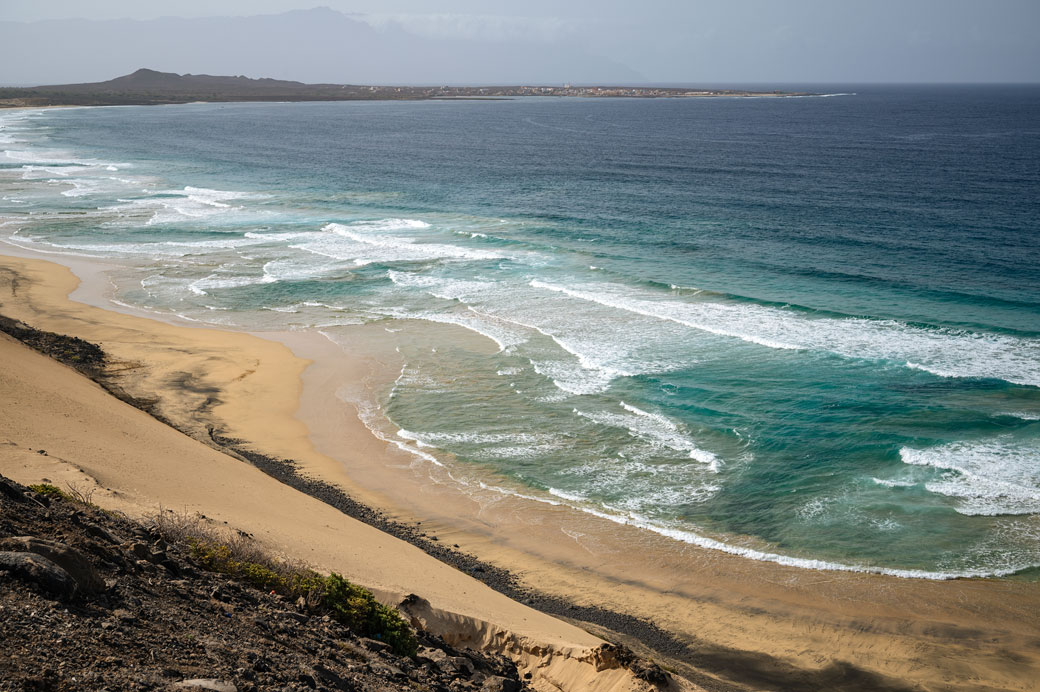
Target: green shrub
[[358, 609], [348, 603], [262, 577], [49, 490]]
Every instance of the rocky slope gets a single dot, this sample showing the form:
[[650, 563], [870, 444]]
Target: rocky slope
[[90, 600]]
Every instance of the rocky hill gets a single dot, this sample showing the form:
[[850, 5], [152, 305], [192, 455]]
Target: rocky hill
[[90, 600]]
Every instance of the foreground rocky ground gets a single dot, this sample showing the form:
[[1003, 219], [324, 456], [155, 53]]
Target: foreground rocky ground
[[93, 601]]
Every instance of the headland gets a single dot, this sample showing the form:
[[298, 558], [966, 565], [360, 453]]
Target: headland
[[149, 87]]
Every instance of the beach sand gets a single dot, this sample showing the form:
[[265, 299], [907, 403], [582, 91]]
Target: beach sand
[[60, 426], [731, 623]]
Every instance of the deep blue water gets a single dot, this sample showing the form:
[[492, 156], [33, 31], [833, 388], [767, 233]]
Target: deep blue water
[[799, 329]]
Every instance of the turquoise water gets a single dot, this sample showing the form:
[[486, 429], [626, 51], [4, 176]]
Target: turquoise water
[[801, 330]]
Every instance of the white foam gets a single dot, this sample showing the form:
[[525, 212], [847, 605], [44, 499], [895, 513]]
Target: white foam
[[35, 244], [52, 156], [644, 486], [295, 270], [986, 478], [217, 281], [940, 351], [391, 224], [34, 172], [598, 359], [491, 445], [600, 350], [411, 376], [433, 439], [693, 538], [187, 204], [570, 380], [488, 327], [894, 483], [168, 248], [447, 289], [658, 418], [274, 237], [1024, 415], [661, 310], [80, 187], [360, 244], [371, 415], [500, 305], [656, 429], [572, 497], [413, 451], [512, 493], [813, 508], [519, 451]]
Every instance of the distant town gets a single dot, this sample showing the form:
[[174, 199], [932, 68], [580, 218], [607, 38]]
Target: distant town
[[594, 91], [150, 87]]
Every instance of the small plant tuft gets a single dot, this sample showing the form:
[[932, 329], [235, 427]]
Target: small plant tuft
[[48, 490], [358, 608], [237, 555]]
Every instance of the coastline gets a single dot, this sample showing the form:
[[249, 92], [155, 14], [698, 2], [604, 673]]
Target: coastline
[[733, 616], [129, 462], [149, 87]]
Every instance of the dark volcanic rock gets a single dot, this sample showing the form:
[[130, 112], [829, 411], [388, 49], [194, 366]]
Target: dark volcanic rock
[[40, 572], [71, 350], [135, 625], [10, 492], [69, 559], [651, 672], [499, 684]]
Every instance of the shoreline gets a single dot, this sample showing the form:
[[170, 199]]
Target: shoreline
[[777, 622], [126, 460]]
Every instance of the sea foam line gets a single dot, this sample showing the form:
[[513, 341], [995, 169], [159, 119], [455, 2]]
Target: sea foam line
[[580, 503], [576, 502], [657, 429], [368, 413], [986, 478], [940, 351]]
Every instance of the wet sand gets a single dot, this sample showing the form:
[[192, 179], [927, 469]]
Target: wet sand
[[739, 619], [57, 426], [729, 622]]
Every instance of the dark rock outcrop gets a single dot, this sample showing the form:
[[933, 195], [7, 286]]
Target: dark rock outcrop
[[69, 559], [39, 572]]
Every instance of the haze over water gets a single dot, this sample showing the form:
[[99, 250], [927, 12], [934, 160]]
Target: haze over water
[[804, 330]]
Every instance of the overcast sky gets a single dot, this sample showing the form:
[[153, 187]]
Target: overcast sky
[[699, 41]]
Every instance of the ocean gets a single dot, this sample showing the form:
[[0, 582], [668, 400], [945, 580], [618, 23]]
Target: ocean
[[801, 330]]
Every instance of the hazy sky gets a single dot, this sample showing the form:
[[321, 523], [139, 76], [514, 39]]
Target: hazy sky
[[706, 41]]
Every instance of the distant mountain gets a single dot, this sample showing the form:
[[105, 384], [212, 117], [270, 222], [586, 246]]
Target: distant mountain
[[318, 45], [145, 87], [145, 80], [171, 81]]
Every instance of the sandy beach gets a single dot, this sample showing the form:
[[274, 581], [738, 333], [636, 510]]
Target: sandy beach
[[727, 622], [60, 426]]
